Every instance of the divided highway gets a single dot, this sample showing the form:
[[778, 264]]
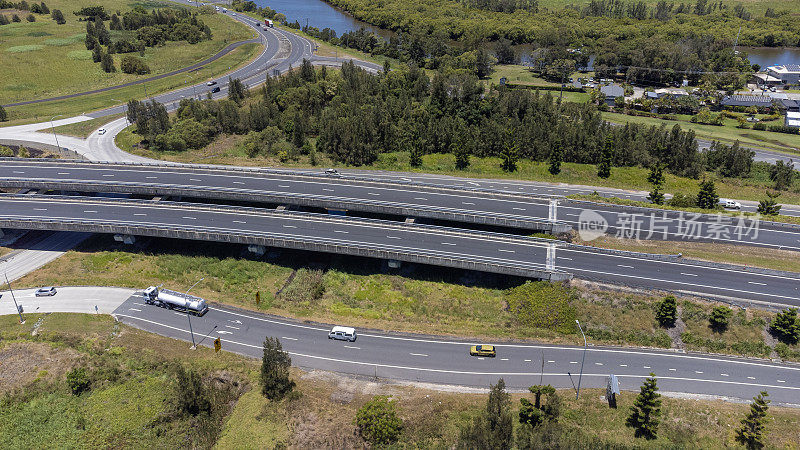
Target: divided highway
[[447, 361], [490, 252]]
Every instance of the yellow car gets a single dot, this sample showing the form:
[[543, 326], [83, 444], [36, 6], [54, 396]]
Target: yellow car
[[482, 350]]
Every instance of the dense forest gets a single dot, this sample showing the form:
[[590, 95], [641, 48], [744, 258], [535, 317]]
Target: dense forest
[[354, 116]]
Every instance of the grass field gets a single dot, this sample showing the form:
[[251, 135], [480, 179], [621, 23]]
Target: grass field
[[85, 128], [131, 407], [44, 111], [365, 293], [43, 59]]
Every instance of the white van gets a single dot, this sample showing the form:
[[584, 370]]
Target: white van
[[343, 334], [729, 204]]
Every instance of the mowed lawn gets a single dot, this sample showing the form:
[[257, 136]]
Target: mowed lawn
[[43, 59]]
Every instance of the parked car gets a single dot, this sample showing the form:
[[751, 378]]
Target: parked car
[[483, 350], [46, 292], [343, 334]]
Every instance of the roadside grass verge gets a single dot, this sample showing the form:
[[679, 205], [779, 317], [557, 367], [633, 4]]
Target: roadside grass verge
[[85, 128], [366, 293], [742, 255], [43, 59], [743, 336], [41, 112], [133, 407]]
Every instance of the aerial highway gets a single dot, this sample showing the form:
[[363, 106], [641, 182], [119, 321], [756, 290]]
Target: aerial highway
[[446, 361], [449, 247], [473, 204]]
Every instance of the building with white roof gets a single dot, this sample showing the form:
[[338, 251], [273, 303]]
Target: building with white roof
[[792, 119], [787, 73]]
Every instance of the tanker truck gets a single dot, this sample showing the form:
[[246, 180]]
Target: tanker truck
[[166, 298]]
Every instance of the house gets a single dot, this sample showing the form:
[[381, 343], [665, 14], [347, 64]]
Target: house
[[611, 92], [765, 79], [787, 73], [789, 105], [792, 119], [675, 93], [746, 101]]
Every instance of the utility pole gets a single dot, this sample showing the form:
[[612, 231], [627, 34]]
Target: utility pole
[[19, 311], [54, 130], [578, 392], [188, 316]]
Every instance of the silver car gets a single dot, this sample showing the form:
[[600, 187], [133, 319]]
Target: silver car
[[46, 292]]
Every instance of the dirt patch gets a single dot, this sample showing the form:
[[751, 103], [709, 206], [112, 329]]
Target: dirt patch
[[23, 362]]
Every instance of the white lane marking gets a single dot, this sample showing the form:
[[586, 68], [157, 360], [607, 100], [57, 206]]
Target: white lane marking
[[503, 359], [420, 198], [89, 211], [724, 375], [414, 354], [289, 226], [570, 214], [623, 265], [238, 182], [350, 346], [151, 178], [525, 346], [519, 209], [108, 175], [527, 360], [340, 231], [564, 257], [504, 250], [40, 209], [689, 274], [394, 237], [646, 367], [373, 193], [134, 309], [525, 374], [189, 218], [328, 190], [671, 369], [467, 203], [176, 312], [228, 326], [283, 185], [448, 243], [698, 371], [781, 381], [239, 221], [139, 214], [755, 282], [751, 378], [288, 338], [550, 361], [224, 332], [573, 362], [63, 173], [623, 365], [194, 179], [598, 364], [18, 171]]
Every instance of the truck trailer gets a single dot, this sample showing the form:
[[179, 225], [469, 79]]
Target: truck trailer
[[166, 298], [268, 23]]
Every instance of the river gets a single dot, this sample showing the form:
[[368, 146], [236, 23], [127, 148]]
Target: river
[[322, 15]]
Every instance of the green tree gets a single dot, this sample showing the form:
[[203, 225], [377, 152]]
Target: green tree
[[782, 174], [275, 364], [483, 64], [720, 318], [97, 53], [707, 198], [132, 64], [537, 412], [509, 157], [494, 428], [657, 179], [378, 423], [78, 381], [751, 435], [236, 90], [23, 152], [190, 396], [646, 410], [556, 157], [667, 312], [769, 207], [107, 63], [607, 158], [786, 326], [3, 114], [58, 16]]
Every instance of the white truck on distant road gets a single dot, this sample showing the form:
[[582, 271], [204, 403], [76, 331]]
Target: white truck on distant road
[[166, 298]]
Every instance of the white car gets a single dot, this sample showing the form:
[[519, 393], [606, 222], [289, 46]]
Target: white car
[[101, 131], [343, 334], [729, 204], [46, 292]]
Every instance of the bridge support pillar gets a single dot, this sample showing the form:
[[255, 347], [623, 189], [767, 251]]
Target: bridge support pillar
[[337, 212], [551, 257], [394, 264], [553, 211], [125, 238], [257, 249]]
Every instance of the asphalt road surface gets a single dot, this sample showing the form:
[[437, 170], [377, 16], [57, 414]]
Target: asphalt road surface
[[447, 361], [505, 250], [398, 194]]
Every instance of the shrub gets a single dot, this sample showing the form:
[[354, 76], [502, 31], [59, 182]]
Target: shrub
[[132, 64], [191, 397], [23, 152], [759, 126], [378, 423], [78, 381], [5, 151], [3, 114], [720, 318], [15, 18], [682, 201], [31, 18], [58, 16], [667, 312], [785, 326]]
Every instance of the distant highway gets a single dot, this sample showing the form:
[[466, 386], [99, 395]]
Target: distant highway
[[491, 252]]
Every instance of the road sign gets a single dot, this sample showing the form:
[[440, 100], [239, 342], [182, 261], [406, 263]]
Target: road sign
[[217, 345]]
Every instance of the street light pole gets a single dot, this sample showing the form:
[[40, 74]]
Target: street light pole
[[21, 320], [188, 316], [578, 392], [54, 130]]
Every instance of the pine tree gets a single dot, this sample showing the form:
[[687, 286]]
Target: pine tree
[[719, 319], [707, 198], [786, 327], [537, 413], [751, 435], [509, 157], [667, 312], [275, 382], [500, 423], [107, 63], [769, 207], [657, 179], [58, 16], [607, 158], [97, 53], [646, 410], [556, 156]]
